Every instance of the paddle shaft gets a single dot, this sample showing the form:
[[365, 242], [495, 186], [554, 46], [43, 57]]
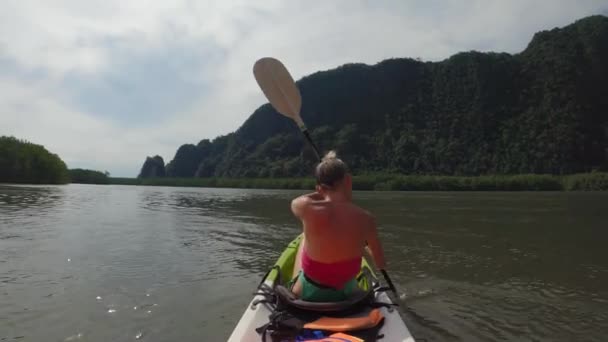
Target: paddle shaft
[[309, 139], [389, 282]]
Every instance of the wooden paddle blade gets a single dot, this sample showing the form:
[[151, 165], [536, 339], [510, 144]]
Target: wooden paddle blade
[[279, 88]]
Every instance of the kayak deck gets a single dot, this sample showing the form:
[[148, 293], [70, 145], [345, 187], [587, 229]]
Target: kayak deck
[[255, 316]]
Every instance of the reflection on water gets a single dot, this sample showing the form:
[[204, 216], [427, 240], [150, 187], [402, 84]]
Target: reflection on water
[[16, 198], [114, 263], [21, 207]]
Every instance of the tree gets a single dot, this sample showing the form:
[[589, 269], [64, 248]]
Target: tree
[[24, 162], [88, 176]]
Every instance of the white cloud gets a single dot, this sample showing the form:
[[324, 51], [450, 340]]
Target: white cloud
[[81, 140], [213, 45]]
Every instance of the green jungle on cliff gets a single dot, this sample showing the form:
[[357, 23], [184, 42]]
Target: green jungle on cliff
[[541, 111]]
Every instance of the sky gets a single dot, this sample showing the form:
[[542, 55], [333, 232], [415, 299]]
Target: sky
[[106, 83]]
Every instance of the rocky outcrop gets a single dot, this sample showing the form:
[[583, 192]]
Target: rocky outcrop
[[153, 167]]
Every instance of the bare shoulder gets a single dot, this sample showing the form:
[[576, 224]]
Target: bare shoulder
[[305, 204], [364, 215]]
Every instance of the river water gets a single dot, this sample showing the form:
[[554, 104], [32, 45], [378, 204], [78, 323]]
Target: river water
[[120, 263]]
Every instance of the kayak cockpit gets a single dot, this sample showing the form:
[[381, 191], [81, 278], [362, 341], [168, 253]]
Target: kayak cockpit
[[291, 318], [357, 299], [276, 314]]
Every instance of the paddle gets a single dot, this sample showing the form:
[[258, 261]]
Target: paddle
[[282, 92]]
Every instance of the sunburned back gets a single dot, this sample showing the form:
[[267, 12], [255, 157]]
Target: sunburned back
[[335, 235], [336, 231]]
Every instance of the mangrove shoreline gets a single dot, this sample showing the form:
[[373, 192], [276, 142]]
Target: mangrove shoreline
[[595, 181]]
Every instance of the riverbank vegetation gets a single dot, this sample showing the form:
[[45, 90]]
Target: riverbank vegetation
[[595, 181], [24, 162], [83, 176]]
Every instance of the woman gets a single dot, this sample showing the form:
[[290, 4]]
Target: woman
[[336, 232]]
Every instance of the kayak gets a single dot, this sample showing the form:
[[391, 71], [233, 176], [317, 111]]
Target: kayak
[[372, 310]]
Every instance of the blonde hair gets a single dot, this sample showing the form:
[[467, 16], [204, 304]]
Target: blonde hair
[[330, 170], [330, 155]]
